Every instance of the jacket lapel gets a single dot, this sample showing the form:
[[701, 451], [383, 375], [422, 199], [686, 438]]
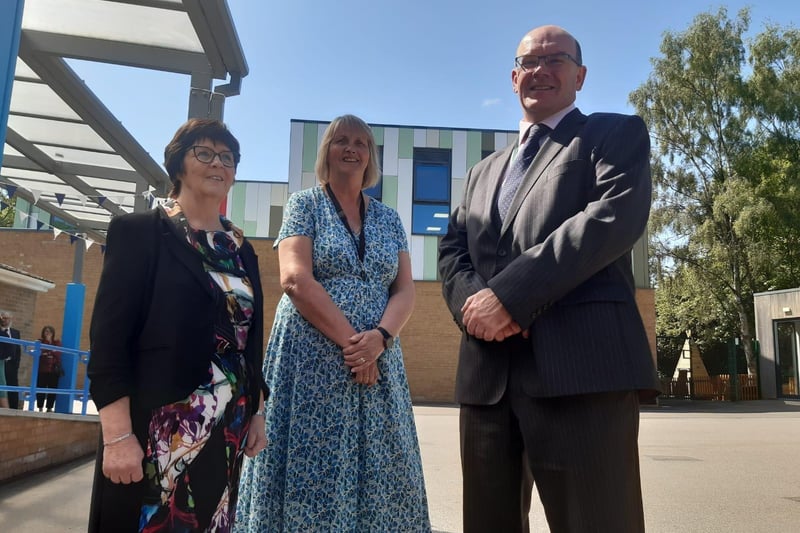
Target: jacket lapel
[[556, 141], [183, 252]]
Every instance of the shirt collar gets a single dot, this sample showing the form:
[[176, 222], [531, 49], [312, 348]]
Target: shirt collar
[[551, 121]]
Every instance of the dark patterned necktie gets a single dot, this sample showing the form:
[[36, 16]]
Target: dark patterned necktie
[[519, 167]]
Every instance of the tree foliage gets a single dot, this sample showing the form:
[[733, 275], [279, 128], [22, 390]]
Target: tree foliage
[[724, 121], [7, 213]]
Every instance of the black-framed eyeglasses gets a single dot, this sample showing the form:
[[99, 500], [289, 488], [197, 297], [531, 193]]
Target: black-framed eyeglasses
[[556, 60], [206, 155]]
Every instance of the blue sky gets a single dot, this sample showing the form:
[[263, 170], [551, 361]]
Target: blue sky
[[443, 63]]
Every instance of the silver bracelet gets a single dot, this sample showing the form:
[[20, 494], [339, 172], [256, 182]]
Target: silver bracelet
[[260, 412], [117, 440]]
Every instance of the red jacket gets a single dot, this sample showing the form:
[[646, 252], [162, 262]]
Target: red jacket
[[49, 358]]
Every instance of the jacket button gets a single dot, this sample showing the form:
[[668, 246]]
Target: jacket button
[[502, 253]]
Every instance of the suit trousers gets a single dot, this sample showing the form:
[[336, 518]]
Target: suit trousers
[[581, 453], [12, 378]]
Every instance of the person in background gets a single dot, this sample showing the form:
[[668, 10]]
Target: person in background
[[10, 354], [343, 452], [536, 270], [49, 369], [177, 348]]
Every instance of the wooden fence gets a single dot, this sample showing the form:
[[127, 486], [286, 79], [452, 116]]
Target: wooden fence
[[712, 388]]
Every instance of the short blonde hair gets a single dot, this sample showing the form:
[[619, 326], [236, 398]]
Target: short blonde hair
[[371, 173]]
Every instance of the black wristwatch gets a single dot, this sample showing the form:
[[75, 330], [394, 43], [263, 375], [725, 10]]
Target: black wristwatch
[[388, 338]]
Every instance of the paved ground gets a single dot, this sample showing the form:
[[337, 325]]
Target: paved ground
[[707, 467]]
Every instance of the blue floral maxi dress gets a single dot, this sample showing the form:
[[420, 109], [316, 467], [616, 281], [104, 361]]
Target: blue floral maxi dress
[[341, 457], [195, 447]]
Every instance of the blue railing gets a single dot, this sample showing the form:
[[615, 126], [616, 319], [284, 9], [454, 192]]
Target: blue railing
[[34, 350]]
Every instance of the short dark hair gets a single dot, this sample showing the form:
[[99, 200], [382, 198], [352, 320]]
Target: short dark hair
[[578, 54], [189, 134]]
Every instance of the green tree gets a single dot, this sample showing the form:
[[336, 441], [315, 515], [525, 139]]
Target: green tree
[[7, 214], [725, 158]]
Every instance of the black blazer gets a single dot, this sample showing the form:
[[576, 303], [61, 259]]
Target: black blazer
[[560, 263], [152, 330], [8, 351]]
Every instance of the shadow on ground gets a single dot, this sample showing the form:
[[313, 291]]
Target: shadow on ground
[[670, 405]]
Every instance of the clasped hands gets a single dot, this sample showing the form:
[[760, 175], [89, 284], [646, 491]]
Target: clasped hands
[[361, 355], [485, 317]]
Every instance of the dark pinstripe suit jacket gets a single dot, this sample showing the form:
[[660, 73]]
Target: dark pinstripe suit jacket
[[560, 263]]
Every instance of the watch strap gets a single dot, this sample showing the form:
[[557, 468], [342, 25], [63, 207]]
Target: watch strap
[[386, 336]]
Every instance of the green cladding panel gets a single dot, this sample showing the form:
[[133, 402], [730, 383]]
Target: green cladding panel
[[446, 139], [250, 228], [405, 149], [377, 132], [390, 191], [237, 206], [474, 143], [430, 263]]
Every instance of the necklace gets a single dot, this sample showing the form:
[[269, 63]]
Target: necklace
[[183, 211]]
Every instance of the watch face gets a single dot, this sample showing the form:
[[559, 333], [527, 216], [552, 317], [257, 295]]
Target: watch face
[[389, 343]]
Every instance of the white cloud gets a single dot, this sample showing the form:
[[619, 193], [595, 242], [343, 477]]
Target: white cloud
[[488, 102]]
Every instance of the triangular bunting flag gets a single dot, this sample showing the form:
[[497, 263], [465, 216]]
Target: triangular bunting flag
[[22, 215], [102, 248], [56, 233], [36, 194], [72, 238], [60, 197], [11, 189], [3, 205], [89, 242], [39, 224], [100, 200], [83, 200]]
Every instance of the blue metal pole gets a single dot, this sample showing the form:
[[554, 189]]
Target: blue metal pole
[[10, 27], [71, 338]]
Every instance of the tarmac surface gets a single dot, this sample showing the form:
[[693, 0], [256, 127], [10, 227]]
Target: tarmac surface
[[707, 467]]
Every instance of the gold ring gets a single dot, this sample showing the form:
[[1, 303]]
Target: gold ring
[[362, 360]]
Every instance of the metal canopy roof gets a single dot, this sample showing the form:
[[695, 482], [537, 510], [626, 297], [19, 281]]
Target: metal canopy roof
[[65, 151]]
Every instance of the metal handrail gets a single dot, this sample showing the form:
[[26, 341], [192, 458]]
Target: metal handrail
[[34, 349]]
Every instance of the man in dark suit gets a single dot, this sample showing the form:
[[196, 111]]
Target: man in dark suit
[[536, 269], [11, 355]]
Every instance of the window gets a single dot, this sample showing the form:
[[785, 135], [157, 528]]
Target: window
[[431, 196]]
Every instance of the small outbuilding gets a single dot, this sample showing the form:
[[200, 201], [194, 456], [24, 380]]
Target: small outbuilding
[[778, 332]]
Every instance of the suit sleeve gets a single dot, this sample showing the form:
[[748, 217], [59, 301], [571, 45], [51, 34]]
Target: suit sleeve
[[119, 309], [613, 219], [460, 280]]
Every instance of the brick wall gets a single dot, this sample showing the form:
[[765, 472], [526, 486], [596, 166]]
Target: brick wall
[[37, 253], [430, 339], [21, 303], [35, 441]]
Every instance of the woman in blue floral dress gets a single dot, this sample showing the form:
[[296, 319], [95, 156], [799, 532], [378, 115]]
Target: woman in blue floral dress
[[343, 454]]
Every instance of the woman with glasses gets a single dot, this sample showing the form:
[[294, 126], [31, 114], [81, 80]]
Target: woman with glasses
[[176, 340], [343, 453]]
